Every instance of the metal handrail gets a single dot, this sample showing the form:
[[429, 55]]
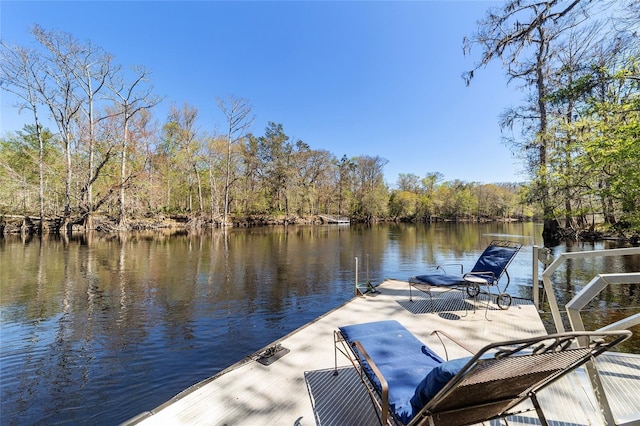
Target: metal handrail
[[581, 299], [546, 275], [591, 290], [540, 255]]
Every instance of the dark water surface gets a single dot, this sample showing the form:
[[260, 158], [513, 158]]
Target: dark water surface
[[97, 329]]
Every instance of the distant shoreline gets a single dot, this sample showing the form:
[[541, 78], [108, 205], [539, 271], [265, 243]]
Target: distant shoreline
[[18, 224]]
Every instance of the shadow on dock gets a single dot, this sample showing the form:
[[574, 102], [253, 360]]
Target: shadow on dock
[[340, 399]]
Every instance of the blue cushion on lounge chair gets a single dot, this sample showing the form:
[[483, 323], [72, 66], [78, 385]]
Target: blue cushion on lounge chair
[[438, 279], [402, 369], [435, 381]]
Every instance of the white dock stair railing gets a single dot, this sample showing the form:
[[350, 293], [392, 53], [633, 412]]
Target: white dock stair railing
[[579, 301]]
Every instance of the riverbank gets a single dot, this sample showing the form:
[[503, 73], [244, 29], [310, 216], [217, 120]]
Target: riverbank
[[17, 224]]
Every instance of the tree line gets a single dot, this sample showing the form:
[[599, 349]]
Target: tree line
[[577, 132], [175, 172], [109, 155]]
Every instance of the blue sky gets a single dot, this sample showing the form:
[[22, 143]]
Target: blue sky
[[353, 78]]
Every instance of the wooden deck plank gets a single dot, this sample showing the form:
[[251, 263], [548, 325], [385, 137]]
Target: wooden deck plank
[[252, 394]]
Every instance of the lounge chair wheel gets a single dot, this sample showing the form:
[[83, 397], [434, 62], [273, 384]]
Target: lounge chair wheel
[[504, 300], [473, 290]]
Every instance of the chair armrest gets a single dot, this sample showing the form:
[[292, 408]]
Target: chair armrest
[[446, 354], [480, 273], [383, 381], [450, 264]]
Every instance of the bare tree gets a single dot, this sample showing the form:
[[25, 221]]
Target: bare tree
[[21, 73], [216, 151], [237, 112], [130, 98], [62, 97], [91, 67], [182, 132]]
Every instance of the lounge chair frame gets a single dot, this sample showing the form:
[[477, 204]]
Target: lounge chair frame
[[471, 282], [494, 381]]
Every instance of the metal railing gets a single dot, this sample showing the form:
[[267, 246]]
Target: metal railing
[[555, 264], [588, 293], [580, 300]]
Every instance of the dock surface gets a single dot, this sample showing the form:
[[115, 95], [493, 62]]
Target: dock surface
[[300, 388]]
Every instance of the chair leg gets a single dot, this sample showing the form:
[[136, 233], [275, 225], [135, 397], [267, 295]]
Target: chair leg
[[433, 306], [541, 417], [473, 290], [335, 353], [486, 310]]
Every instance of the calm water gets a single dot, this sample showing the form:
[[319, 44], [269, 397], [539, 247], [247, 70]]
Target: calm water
[[98, 329]]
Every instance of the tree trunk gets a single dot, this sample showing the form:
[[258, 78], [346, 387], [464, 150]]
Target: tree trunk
[[41, 226], [67, 187], [88, 222], [550, 226], [122, 219], [227, 180], [199, 183], [213, 194]]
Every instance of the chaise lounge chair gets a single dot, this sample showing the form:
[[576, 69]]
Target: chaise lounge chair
[[490, 267], [412, 385]]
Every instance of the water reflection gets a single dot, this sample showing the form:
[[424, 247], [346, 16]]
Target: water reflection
[[97, 328]]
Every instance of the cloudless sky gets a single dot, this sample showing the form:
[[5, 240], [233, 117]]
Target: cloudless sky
[[353, 78]]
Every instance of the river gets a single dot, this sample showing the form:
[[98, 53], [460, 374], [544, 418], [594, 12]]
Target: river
[[98, 328]]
